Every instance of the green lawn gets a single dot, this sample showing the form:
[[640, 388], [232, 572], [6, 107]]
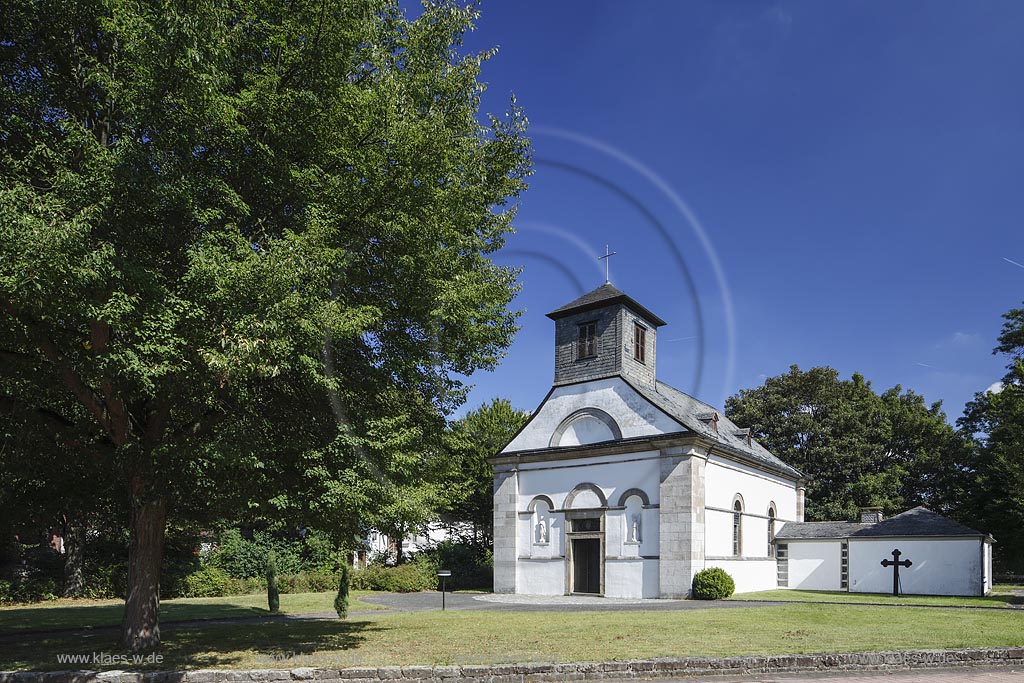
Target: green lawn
[[89, 613], [474, 637], [994, 600]]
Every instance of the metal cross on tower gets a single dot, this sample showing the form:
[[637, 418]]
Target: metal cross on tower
[[606, 258], [895, 563]]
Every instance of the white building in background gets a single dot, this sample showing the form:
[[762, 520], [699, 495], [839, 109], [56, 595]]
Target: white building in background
[[620, 485]]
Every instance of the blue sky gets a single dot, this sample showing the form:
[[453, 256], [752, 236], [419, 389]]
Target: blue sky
[[855, 169]]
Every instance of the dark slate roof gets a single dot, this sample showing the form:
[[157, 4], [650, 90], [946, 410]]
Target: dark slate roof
[[819, 530], [919, 521], [605, 295], [688, 411]]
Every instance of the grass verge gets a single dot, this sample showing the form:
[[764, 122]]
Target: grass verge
[[482, 637], [994, 600], [61, 614]]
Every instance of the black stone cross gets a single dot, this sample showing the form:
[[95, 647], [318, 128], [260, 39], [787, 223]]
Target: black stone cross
[[896, 564]]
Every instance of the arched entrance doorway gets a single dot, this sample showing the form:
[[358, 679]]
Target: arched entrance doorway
[[585, 550]]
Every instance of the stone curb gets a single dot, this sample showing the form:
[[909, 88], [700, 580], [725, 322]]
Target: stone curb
[[551, 673]]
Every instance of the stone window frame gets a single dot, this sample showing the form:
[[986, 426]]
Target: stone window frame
[[737, 525], [772, 516], [639, 343]]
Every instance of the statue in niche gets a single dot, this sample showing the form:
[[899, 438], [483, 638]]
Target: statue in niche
[[634, 528], [542, 531]]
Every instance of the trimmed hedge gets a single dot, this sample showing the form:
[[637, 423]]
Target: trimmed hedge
[[212, 582], [405, 578], [712, 584]]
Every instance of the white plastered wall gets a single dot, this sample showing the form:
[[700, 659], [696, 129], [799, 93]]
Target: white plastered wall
[[815, 565], [630, 568], [748, 575], [724, 480], [941, 566]]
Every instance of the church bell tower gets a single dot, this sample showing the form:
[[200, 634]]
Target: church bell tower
[[605, 333]]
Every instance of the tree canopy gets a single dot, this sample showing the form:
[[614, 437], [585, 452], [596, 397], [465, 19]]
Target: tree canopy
[[858, 447], [994, 423], [250, 241], [468, 491]]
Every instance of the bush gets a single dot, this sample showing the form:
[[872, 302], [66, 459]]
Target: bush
[[208, 582], [712, 584], [323, 556], [273, 596], [405, 578], [341, 600], [107, 581], [32, 589], [245, 559], [307, 582]]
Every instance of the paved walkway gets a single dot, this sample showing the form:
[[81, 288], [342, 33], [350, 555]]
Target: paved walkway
[[960, 675], [420, 602]]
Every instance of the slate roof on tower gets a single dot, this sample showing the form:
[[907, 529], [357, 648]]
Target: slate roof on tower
[[605, 295]]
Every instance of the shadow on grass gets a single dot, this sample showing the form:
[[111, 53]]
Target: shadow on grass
[[268, 645], [34, 619]]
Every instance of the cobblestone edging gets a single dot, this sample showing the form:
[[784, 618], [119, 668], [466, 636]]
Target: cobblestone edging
[[550, 673]]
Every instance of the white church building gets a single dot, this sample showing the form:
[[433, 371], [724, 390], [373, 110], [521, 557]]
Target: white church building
[[621, 486]]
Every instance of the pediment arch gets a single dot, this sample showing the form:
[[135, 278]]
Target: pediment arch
[[587, 425]]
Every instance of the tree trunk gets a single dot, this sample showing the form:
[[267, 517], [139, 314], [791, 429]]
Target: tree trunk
[[74, 554], [140, 629]]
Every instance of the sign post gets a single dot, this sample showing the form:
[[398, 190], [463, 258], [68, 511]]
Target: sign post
[[443, 574]]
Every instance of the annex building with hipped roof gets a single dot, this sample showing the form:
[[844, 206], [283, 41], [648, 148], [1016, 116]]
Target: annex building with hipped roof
[[946, 557]]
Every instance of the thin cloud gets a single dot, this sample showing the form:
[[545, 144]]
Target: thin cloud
[[1019, 265]]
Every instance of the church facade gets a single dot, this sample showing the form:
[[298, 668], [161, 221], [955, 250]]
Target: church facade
[[620, 485]]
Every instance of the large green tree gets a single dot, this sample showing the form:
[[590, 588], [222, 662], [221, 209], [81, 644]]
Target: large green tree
[[467, 496], [251, 240], [859, 447], [994, 422]]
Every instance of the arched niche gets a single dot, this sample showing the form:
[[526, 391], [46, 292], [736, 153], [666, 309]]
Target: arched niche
[[541, 520], [540, 499], [585, 497], [587, 425], [629, 493]]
